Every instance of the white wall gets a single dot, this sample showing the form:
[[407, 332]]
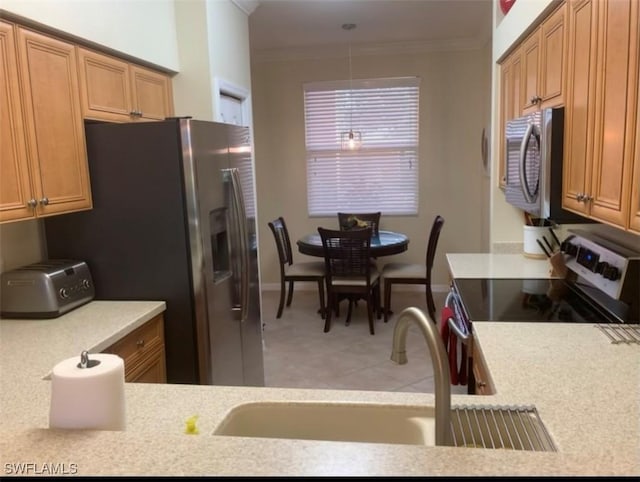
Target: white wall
[[454, 103], [144, 29], [213, 42]]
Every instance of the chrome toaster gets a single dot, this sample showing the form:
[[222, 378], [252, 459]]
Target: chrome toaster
[[45, 290]]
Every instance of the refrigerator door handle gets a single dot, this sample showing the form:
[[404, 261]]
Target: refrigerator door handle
[[239, 213]]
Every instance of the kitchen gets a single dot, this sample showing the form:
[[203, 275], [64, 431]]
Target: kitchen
[[507, 231]]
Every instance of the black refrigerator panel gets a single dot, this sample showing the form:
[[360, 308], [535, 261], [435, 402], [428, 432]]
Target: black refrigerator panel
[[135, 239]]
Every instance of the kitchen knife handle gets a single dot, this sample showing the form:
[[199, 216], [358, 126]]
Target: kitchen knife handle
[[555, 238], [544, 250]]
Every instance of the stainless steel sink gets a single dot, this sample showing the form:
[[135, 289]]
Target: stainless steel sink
[[515, 428]]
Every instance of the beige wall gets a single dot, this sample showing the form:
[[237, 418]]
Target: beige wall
[[213, 41], [454, 107], [144, 29]]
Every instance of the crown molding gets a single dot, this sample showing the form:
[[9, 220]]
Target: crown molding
[[247, 6], [391, 48]]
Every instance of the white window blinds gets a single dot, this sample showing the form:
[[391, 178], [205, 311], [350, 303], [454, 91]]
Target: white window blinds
[[383, 174]]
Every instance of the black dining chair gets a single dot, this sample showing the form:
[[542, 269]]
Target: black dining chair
[[349, 272], [291, 272], [348, 221], [416, 274]]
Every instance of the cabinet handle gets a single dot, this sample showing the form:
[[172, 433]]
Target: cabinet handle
[[140, 343], [587, 198], [536, 99], [32, 203], [480, 383], [44, 201]]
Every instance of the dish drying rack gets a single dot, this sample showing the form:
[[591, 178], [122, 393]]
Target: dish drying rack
[[621, 333]]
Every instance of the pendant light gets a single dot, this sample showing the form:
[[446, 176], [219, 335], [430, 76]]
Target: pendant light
[[350, 140]]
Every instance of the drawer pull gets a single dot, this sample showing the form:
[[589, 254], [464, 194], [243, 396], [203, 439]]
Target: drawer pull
[[140, 343]]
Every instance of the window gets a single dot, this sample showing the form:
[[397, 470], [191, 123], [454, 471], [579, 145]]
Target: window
[[383, 174]]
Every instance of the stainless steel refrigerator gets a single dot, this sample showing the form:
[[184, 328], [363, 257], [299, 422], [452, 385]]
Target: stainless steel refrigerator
[[174, 220]]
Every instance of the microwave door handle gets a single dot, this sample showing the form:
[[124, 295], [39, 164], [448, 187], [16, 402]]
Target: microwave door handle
[[522, 164]]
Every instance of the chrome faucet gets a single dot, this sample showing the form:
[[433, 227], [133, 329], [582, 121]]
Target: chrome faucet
[[440, 363]]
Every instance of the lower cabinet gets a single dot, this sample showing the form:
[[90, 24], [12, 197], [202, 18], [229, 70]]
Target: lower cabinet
[[143, 353], [481, 376]]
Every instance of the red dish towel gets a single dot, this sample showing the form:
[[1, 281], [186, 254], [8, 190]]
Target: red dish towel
[[450, 343]]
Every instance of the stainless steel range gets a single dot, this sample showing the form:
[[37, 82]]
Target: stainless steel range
[[602, 287]]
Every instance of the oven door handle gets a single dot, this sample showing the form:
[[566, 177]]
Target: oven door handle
[[452, 302]]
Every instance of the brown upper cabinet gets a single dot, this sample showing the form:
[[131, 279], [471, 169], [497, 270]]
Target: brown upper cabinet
[[532, 76], [118, 91], [601, 111], [634, 212], [510, 103], [44, 162], [543, 63]]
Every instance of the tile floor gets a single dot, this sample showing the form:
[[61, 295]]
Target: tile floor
[[298, 354]]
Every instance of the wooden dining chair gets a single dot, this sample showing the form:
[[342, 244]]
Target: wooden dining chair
[[291, 272], [349, 271], [348, 221], [416, 274]]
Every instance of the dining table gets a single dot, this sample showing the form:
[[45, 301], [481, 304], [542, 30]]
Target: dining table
[[386, 243]]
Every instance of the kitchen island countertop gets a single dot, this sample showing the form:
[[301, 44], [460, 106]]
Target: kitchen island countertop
[[585, 389]]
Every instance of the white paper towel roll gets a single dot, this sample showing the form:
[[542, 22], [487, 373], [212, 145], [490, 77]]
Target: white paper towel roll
[[88, 398]]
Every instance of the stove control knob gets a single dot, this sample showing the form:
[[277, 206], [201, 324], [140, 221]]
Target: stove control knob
[[64, 293], [569, 248], [602, 267], [611, 273]]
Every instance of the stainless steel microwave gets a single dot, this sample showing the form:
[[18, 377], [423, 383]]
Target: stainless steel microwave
[[534, 153]]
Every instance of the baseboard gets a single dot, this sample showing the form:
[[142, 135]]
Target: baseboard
[[312, 286]]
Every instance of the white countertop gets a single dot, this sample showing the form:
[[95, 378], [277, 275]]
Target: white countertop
[[490, 265], [585, 389]]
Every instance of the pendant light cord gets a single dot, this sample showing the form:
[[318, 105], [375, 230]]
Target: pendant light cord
[[349, 27], [350, 92]]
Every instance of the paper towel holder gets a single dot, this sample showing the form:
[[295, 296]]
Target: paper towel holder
[[85, 362]]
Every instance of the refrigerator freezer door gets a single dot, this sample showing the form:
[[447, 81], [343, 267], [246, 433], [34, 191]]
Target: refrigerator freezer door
[[220, 260], [240, 158]]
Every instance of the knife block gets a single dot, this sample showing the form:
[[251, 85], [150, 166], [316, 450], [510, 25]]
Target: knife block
[[531, 247]]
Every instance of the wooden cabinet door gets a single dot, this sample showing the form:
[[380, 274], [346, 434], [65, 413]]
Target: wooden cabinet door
[[15, 186], [143, 352], [634, 207], [615, 111], [105, 87], [578, 135], [151, 94], [54, 125], [531, 72], [150, 370], [510, 104], [552, 62], [634, 211]]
